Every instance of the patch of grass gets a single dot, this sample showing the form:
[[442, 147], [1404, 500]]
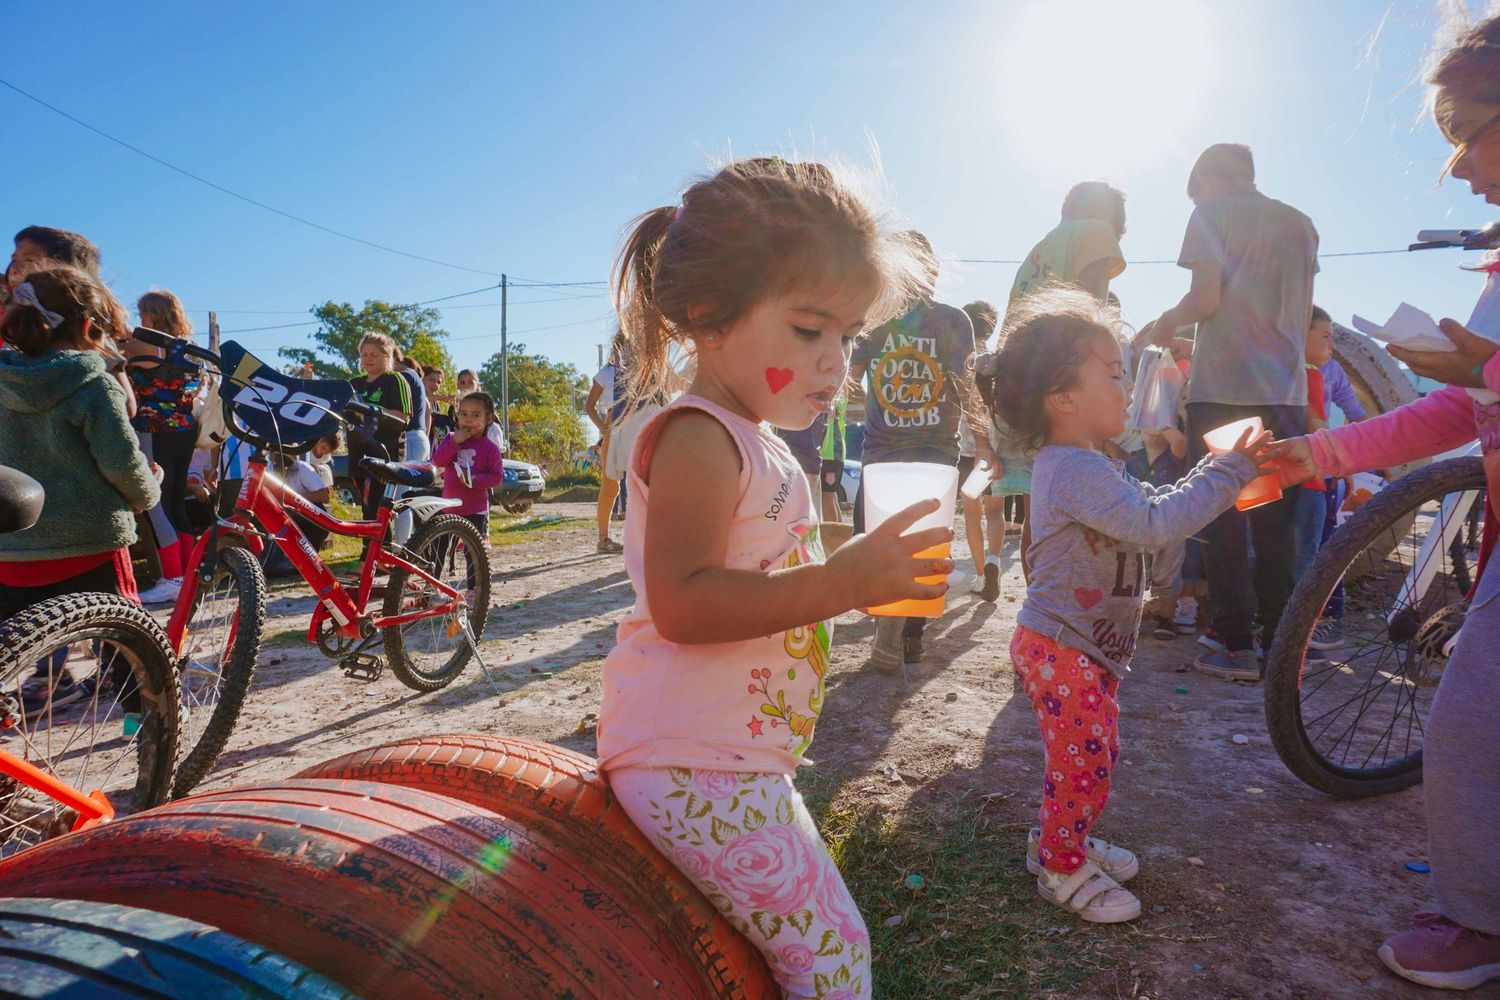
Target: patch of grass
[[287, 638], [974, 927], [508, 530]]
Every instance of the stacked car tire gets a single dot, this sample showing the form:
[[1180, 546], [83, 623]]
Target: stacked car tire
[[452, 866]]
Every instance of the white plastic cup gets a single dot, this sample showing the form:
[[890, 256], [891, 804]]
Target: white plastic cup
[[891, 487], [1223, 439], [1260, 490], [978, 483]]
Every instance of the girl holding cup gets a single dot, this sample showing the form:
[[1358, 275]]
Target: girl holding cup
[[760, 280]]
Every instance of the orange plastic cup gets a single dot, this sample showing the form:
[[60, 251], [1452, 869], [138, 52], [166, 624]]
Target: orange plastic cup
[[931, 608], [891, 487], [1262, 489]]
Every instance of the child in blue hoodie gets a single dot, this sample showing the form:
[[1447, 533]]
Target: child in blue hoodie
[[66, 427]]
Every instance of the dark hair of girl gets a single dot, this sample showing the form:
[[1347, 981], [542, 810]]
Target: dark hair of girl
[[1047, 337], [76, 299], [485, 400]]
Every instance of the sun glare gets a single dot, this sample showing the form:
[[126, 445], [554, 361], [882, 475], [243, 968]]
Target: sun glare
[[1102, 85]]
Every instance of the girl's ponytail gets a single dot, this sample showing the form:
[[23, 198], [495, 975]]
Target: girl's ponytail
[[646, 331]]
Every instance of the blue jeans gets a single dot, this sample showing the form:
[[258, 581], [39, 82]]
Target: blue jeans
[[1243, 588], [1332, 499], [1312, 508]]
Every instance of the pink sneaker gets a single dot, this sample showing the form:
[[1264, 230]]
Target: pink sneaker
[[1437, 952]]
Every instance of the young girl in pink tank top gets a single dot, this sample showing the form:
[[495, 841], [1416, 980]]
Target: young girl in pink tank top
[[760, 281]]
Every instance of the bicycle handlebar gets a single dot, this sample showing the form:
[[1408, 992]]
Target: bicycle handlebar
[[1487, 238], [167, 342]]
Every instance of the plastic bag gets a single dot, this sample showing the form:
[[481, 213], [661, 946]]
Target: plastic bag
[[1158, 386]]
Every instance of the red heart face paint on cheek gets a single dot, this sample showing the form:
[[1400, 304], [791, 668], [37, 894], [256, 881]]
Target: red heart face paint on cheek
[[778, 379]]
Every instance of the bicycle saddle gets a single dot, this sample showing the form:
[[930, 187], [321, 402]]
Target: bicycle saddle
[[399, 473], [21, 499]]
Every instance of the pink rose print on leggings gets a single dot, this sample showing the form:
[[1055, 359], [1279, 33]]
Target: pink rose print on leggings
[[771, 869], [834, 905], [715, 784], [796, 957]]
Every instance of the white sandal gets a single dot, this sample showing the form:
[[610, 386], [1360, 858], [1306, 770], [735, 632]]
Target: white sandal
[[1112, 859], [1090, 894]]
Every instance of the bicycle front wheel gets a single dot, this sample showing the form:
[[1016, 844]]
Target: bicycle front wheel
[[1351, 723], [220, 645], [88, 693], [428, 653]]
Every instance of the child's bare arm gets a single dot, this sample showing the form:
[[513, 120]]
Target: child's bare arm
[[694, 479]]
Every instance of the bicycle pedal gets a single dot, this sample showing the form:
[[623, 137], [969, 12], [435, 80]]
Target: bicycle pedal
[[362, 666]]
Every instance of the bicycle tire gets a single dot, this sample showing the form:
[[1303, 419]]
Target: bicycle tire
[[560, 794], [236, 671], [58, 622], [1284, 665], [71, 947], [389, 891], [425, 539]]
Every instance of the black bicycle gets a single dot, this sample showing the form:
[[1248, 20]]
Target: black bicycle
[[1350, 720]]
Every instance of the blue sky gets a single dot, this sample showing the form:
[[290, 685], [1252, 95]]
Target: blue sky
[[522, 138]]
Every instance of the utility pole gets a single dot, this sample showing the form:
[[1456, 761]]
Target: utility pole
[[601, 354], [504, 365], [213, 332]]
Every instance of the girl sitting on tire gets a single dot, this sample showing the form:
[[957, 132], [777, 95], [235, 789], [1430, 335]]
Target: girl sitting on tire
[[762, 276], [66, 427], [1061, 388], [1457, 947]]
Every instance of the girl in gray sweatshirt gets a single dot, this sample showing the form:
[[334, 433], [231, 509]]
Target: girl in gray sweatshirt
[[1059, 382]]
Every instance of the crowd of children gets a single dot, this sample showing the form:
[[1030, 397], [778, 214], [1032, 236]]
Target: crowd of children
[[742, 306]]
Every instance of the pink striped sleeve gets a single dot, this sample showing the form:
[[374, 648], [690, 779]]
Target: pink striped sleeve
[[1439, 422]]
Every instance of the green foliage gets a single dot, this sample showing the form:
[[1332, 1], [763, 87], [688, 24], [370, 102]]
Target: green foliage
[[548, 435], [534, 379], [545, 426], [336, 350]]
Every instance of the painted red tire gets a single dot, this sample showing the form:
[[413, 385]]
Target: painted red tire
[[559, 794], [391, 891]]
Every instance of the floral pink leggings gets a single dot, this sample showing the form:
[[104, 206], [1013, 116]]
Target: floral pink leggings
[[1076, 707], [747, 841]]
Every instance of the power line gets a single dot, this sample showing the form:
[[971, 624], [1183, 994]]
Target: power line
[[1321, 256], [235, 194]]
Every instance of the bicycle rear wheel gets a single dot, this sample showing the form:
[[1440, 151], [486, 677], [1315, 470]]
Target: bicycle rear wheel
[[112, 723], [1352, 723], [220, 645], [428, 653]]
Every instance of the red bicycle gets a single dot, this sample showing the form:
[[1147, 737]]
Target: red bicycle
[[108, 746], [426, 617]]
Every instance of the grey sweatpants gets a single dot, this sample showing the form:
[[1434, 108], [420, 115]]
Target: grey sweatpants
[[1461, 768]]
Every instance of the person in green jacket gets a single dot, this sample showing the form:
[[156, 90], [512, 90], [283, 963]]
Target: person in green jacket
[[64, 424]]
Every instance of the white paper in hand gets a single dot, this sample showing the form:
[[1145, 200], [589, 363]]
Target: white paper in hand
[[1408, 327]]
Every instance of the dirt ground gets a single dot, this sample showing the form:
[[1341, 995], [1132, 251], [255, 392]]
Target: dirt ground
[[1253, 884]]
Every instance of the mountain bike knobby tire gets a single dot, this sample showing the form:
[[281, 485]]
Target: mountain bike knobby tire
[[237, 668], [75, 948], [31, 634], [389, 891], [1284, 665], [560, 794], [429, 538]]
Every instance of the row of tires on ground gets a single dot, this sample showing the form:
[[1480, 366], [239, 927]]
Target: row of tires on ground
[[457, 866]]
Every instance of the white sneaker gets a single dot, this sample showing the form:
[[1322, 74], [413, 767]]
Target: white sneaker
[[976, 583], [164, 591], [1186, 619]]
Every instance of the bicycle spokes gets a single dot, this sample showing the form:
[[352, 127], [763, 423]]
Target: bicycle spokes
[[1363, 707]]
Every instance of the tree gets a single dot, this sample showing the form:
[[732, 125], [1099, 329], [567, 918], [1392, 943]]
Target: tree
[[336, 354], [545, 426]]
